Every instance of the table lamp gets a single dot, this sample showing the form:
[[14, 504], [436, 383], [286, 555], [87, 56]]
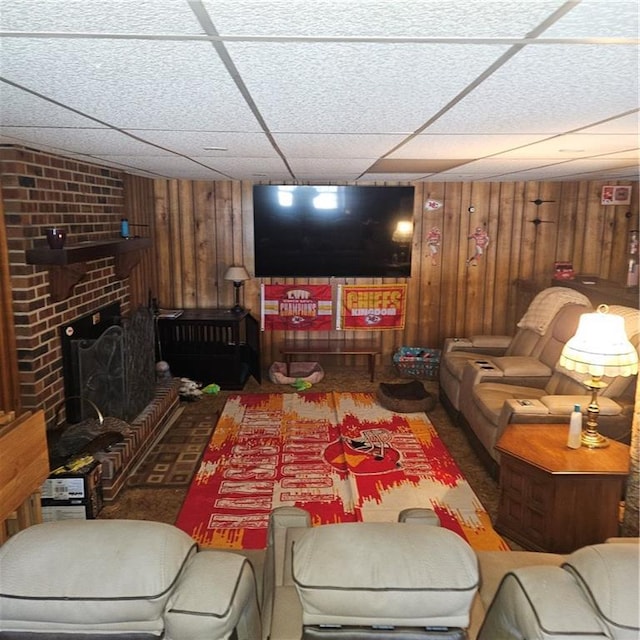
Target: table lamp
[[238, 275], [600, 348]]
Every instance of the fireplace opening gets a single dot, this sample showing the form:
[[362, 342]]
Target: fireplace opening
[[108, 359]]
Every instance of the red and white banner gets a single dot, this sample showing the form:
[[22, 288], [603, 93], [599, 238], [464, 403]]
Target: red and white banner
[[302, 307], [376, 307]]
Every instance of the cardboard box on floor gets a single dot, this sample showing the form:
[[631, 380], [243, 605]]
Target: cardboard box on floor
[[73, 494]]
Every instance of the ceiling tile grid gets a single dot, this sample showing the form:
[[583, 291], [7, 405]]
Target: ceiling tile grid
[[327, 90]]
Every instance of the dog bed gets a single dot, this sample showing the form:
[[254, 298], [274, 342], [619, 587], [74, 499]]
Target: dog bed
[[311, 372], [405, 397]]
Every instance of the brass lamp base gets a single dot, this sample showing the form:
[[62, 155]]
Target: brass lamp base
[[593, 440], [590, 437]]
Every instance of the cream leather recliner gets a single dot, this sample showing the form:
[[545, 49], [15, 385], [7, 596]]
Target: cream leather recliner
[[411, 580], [593, 594], [123, 579], [488, 408], [527, 357]]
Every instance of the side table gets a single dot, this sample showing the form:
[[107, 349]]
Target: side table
[[557, 499]]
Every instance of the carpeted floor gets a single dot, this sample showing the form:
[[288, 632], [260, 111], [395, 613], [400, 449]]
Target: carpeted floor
[[162, 503]]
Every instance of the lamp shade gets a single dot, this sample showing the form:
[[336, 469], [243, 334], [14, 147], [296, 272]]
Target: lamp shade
[[236, 274], [600, 347]]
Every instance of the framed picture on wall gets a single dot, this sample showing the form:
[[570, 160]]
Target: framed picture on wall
[[615, 195]]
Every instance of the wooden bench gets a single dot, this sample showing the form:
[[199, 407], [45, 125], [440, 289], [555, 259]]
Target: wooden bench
[[330, 347]]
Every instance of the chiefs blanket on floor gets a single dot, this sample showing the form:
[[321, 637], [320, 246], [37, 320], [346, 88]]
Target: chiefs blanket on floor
[[340, 456]]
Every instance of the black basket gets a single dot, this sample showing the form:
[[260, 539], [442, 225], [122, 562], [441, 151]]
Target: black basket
[[417, 362]]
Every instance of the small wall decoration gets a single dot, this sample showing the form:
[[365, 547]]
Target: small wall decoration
[[481, 239], [434, 238], [615, 195], [432, 205]]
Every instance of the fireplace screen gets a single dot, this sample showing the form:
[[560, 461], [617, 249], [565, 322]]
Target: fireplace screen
[[114, 366]]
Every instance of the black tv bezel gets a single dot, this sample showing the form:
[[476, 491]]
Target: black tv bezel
[[384, 270]]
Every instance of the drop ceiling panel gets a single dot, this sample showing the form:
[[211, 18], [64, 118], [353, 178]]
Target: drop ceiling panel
[[335, 87], [329, 166], [461, 146], [629, 124], [572, 146], [575, 168], [252, 168], [354, 87], [167, 166], [379, 18], [132, 84], [309, 145], [379, 178], [598, 18], [194, 143], [548, 90], [520, 169], [99, 16], [90, 141], [20, 108]]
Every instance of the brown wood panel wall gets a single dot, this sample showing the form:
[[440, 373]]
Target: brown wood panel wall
[[140, 211], [201, 228]]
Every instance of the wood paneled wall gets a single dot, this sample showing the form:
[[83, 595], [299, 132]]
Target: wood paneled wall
[[138, 207], [203, 227]]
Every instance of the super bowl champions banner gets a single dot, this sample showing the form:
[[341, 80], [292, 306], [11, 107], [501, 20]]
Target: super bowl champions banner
[[288, 307], [365, 306]]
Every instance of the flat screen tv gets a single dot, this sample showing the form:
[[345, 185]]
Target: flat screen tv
[[332, 231]]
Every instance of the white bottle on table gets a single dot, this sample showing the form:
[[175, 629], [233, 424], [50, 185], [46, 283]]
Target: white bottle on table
[[575, 428]]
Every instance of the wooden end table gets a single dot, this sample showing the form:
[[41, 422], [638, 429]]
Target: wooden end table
[[557, 499]]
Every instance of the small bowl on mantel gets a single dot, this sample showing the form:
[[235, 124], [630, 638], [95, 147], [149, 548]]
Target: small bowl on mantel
[[56, 237]]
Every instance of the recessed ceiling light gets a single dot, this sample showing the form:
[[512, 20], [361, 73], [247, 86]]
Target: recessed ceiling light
[[215, 148], [570, 150]]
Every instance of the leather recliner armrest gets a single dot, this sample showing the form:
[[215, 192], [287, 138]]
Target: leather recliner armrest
[[215, 595], [489, 344], [541, 602]]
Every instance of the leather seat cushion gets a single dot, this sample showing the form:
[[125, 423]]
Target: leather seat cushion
[[522, 367], [384, 574], [489, 397], [106, 575]]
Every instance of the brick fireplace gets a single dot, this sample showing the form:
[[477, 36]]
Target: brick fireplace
[[42, 190]]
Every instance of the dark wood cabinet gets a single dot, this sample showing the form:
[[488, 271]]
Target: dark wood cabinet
[[600, 291], [557, 499], [211, 346]]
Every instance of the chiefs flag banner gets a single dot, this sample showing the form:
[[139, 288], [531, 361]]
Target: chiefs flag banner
[[303, 307], [372, 306]]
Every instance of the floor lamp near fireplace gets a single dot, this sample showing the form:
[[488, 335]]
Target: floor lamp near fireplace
[[599, 348]]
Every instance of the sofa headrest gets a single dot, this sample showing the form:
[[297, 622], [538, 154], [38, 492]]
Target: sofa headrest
[[565, 322], [609, 576], [91, 572], [390, 574]]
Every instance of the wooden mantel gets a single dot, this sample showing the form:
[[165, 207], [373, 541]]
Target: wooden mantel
[[68, 266]]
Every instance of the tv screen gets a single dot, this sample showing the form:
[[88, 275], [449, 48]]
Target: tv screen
[[326, 231]]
